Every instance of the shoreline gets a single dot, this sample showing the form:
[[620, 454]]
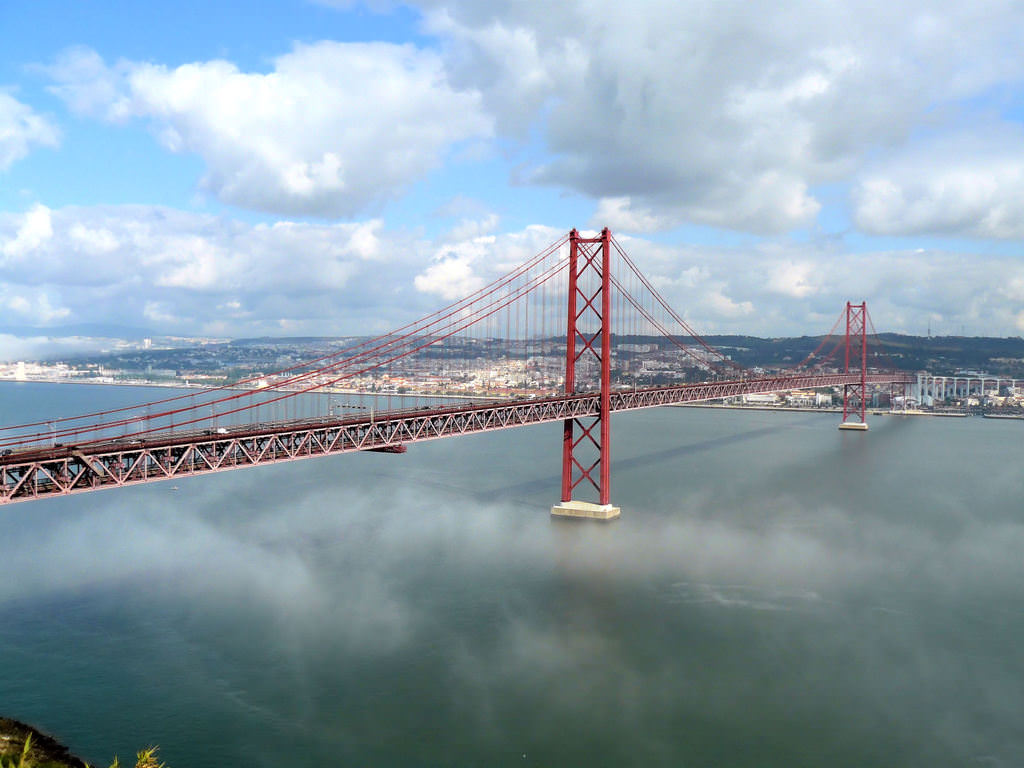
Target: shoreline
[[834, 410], [498, 398], [44, 750]]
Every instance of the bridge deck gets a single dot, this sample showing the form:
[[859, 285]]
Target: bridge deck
[[38, 472]]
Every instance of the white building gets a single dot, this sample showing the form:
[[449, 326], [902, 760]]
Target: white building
[[800, 399], [766, 398]]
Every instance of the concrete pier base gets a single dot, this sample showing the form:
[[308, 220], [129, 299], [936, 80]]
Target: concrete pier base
[[859, 426], [584, 510]]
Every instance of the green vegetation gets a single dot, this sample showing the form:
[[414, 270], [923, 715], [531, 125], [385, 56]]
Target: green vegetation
[[30, 756]]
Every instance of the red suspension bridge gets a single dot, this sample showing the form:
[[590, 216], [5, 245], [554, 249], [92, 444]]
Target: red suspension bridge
[[572, 335]]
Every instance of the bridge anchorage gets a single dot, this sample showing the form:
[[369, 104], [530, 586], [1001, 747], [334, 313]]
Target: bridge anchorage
[[489, 361]]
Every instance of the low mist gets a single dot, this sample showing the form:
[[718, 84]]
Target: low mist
[[714, 593]]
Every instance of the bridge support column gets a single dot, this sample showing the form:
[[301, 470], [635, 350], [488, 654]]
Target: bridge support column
[[855, 395], [590, 318]]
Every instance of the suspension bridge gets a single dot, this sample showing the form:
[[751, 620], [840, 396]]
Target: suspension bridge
[[571, 335]]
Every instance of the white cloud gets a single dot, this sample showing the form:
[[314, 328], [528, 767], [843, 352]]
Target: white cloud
[[467, 229], [794, 279], [149, 266], [663, 111], [34, 231], [619, 214], [726, 307], [964, 185], [21, 129], [94, 241], [333, 129], [774, 290], [723, 114], [460, 266], [90, 87], [179, 272], [160, 313], [32, 305], [451, 276]]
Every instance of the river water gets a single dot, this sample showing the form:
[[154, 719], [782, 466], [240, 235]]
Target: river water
[[777, 593]]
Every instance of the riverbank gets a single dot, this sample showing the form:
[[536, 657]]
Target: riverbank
[[834, 410], [44, 750], [780, 408]]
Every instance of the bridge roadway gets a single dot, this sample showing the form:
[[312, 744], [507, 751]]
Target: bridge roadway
[[38, 472]]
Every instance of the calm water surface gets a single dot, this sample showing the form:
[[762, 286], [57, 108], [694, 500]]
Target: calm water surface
[[777, 593]]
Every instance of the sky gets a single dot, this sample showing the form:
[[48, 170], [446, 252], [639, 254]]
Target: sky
[[236, 169]]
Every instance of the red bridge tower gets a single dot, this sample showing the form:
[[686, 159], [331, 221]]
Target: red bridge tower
[[855, 396], [586, 443]]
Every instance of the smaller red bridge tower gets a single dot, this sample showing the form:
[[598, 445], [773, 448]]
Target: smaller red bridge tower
[[855, 395]]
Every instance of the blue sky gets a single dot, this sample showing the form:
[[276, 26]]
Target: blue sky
[[233, 169]]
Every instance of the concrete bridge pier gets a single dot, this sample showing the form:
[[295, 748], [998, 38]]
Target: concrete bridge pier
[[585, 510], [855, 426]]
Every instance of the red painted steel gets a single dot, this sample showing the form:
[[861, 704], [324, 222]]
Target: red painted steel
[[856, 331], [570, 365], [606, 368], [79, 456], [588, 258], [42, 472]]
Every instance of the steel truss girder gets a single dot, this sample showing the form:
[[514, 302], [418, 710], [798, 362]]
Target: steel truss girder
[[65, 470]]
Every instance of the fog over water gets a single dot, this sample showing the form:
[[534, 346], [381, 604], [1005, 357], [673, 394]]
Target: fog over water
[[776, 593]]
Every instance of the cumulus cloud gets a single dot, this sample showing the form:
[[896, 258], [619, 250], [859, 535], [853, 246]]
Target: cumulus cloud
[[33, 232], [182, 272], [451, 275], [94, 242], [774, 289], [467, 260], [962, 185], [21, 129], [619, 214], [733, 116], [471, 228], [727, 115], [186, 273], [33, 305], [795, 279], [89, 86], [794, 289], [333, 129]]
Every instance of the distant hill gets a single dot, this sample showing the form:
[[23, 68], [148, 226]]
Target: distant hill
[[304, 341], [937, 354]]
